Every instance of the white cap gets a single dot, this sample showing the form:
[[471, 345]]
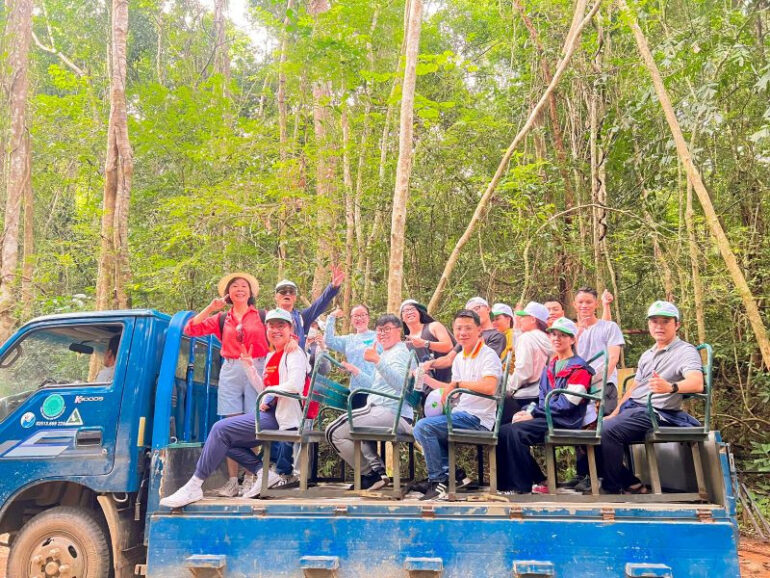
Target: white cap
[[502, 309], [663, 309], [472, 302], [408, 302], [564, 325], [279, 314], [285, 283], [536, 310]]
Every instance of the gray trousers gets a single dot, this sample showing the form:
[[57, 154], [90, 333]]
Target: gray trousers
[[338, 435]]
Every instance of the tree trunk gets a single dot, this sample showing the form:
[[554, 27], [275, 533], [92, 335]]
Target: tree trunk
[[723, 243], [569, 49], [221, 47], [282, 112], [18, 37], [404, 167], [118, 170], [697, 285], [349, 214], [28, 264]]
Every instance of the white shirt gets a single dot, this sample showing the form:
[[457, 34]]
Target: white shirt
[[105, 374], [292, 370], [482, 362]]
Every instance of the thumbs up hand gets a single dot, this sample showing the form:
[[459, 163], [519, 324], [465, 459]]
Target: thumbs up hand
[[371, 354]]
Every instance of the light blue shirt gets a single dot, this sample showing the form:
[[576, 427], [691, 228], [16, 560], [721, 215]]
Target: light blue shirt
[[352, 346], [389, 378]]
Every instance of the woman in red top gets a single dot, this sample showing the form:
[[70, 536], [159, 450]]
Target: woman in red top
[[240, 328]]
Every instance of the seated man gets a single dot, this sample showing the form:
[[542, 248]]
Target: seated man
[[235, 436], [107, 373], [517, 469], [668, 369], [477, 368], [390, 369]]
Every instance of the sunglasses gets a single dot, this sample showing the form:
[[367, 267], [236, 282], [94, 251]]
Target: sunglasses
[[239, 333], [286, 291]]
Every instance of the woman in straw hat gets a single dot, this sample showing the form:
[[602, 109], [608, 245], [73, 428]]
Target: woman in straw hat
[[242, 333]]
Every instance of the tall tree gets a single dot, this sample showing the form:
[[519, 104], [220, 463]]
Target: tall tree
[[118, 171], [19, 33], [404, 167], [723, 243]]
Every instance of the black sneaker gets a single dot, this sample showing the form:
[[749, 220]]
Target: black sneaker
[[574, 482], [372, 481], [583, 485], [437, 491], [422, 486], [463, 480]]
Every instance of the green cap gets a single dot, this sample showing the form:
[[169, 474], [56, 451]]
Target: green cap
[[663, 309]]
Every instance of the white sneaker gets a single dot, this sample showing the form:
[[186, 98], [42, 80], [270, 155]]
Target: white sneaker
[[248, 481], [229, 490], [284, 480], [256, 486], [187, 494]]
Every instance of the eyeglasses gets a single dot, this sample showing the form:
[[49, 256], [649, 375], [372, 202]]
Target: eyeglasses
[[286, 291], [385, 330], [359, 316], [409, 310]]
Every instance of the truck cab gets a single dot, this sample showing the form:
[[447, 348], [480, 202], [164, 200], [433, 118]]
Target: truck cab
[[88, 448]]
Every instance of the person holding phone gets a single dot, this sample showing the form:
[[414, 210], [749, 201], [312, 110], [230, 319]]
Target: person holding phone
[[239, 328]]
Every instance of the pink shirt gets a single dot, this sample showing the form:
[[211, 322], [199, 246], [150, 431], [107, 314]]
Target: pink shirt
[[253, 333]]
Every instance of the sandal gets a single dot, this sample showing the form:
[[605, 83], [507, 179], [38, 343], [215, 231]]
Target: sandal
[[636, 489]]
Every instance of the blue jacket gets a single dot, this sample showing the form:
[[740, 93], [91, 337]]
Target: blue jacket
[[567, 411]]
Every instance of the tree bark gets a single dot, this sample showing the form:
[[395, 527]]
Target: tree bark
[[697, 285], [282, 111], [19, 28], [404, 167], [569, 49], [221, 48], [118, 170], [349, 214], [28, 265], [723, 243]]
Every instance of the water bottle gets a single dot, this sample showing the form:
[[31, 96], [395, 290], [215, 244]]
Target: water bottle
[[530, 409], [419, 379]]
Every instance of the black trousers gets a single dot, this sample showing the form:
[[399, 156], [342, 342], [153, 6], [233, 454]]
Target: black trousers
[[511, 405], [517, 470]]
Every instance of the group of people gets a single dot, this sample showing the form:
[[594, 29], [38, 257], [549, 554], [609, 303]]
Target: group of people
[[266, 349]]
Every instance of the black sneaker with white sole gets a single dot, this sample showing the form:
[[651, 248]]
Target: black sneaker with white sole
[[462, 479], [437, 491]]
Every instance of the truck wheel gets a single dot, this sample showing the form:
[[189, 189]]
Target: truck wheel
[[64, 542]]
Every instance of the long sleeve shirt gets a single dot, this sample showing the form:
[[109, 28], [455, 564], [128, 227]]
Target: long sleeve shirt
[[304, 318], [252, 331], [292, 371], [352, 346], [389, 378], [532, 351]]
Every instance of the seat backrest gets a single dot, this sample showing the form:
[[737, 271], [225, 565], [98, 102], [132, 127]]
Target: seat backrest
[[502, 386], [408, 394], [323, 390], [599, 390], [707, 357]]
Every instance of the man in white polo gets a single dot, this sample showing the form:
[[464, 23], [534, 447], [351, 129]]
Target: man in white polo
[[668, 369]]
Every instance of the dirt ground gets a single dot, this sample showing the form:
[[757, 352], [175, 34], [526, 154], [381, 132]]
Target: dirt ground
[[754, 556]]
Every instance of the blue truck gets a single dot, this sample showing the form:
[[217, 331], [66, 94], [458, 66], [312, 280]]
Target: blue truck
[[91, 440]]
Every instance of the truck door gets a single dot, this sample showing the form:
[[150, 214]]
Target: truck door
[[61, 384]]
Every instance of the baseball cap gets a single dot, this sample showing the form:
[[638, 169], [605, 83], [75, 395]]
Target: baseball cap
[[501, 309], [536, 310], [474, 301], [564, 325], [279, 314], [663, 309], [285, 283]]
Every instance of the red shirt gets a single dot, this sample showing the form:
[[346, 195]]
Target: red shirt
[[271, 379], [253, 333]]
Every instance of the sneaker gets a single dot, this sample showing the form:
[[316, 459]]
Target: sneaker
[[463, 481], [376, 481], [422, 486], [574, 482], [255, 488], [229, 490], [248, 481], [283, 481], [437, 491], [539, 489], [187, 494], [584, 485]]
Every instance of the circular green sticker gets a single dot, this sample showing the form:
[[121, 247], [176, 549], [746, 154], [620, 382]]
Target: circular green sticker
[[53, 406]]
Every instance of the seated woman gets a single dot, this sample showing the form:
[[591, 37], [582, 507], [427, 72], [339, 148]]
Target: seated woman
[[234, 437], [352, 346], [427, 337], [517, 469]]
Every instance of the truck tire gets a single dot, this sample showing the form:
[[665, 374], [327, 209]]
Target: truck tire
[[64, 541]]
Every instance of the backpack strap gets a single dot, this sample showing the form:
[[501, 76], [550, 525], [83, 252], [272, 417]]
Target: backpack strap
[[222, 318]]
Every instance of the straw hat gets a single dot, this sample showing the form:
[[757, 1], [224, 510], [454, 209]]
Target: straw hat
[[250, 279]]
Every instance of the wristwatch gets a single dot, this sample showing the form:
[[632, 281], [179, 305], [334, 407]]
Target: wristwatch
[[674, 387]]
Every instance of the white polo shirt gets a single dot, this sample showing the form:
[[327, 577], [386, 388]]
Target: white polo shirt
[[481, 362]]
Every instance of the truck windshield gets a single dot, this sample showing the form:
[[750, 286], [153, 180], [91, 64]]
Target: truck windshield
[[75, 354]]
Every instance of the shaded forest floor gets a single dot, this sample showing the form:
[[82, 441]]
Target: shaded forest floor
[[754, 558]]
